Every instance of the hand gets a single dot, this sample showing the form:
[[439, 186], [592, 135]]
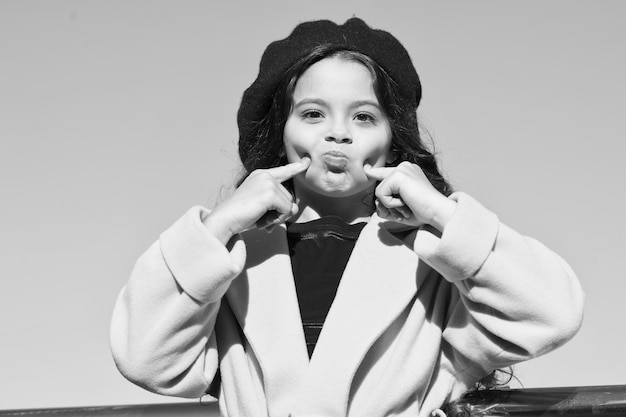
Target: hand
[[405, 195], [260, 201]]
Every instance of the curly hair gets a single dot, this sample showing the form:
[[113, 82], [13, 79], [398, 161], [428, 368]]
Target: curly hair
[[263, 147], [479, 401]]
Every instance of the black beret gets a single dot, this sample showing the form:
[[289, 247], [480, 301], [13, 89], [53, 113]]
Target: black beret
[[354, 35]]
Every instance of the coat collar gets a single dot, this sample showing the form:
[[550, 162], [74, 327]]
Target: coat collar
[[378, 283]]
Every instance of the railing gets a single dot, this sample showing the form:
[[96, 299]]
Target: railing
[[590, 401], [147, 410]]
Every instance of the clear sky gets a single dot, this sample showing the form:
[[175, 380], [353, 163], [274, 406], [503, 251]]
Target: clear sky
[[117, 116]]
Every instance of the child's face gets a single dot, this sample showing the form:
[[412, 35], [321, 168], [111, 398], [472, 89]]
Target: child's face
[[338, 122]]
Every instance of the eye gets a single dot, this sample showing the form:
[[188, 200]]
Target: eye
[[365, 118], [312, 115]]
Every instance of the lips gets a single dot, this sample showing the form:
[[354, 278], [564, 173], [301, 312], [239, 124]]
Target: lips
[[335, 161]]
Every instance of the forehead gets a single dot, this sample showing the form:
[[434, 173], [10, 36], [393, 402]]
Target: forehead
[[335, 76]]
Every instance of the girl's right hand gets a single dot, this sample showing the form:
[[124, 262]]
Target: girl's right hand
[[260, 201]]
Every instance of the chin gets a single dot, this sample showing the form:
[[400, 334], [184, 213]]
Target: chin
[[339, 190]]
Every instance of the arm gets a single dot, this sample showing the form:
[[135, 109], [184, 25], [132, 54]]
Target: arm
[[162, 328], [517, 298]]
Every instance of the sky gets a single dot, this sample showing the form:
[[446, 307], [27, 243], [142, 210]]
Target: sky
[[117, 116]]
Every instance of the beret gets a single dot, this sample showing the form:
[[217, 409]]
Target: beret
[[354, 35]]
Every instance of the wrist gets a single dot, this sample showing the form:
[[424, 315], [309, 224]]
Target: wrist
[[441, 213], [217, 228]]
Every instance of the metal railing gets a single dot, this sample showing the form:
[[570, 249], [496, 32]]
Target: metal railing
[[190, 409], [590, 401]]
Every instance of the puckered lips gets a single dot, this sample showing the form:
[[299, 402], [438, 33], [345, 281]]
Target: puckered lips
[[336, 161]]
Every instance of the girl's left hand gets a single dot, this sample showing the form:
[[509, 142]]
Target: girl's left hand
[[405, 195]]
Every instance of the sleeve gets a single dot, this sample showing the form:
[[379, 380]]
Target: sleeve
[[162, 335], [516, 298]]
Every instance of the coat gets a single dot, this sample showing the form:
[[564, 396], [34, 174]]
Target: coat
[[418, 317]]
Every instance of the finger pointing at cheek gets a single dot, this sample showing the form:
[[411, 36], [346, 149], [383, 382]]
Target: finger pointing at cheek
[[388, 191], [379, 173], [286, 172]]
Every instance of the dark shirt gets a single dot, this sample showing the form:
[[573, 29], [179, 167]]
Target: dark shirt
[[319, 252]]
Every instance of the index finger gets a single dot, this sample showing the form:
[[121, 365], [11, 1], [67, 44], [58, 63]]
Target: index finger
[[379, 173], [285, 172]]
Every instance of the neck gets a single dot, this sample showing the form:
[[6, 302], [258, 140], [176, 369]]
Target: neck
[[351, 209]]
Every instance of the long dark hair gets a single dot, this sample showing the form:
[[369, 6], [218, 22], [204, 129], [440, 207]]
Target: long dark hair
[[263, 147], [479, 401]]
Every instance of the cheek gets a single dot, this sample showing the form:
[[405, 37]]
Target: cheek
[[297, 141], [388, 155], [288, 142], [380, 151]]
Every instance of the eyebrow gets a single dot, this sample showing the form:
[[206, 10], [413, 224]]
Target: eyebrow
[[320, 102], [305, 101]]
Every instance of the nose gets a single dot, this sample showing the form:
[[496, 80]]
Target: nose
[[339, 133]]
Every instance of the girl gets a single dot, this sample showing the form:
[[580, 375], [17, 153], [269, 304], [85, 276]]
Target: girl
[[342, 277]]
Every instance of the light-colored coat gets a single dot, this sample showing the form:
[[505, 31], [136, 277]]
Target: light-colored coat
[[418, 318]]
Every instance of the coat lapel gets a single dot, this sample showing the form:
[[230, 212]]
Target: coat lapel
[[378, 283], [264, 301], [380, 280]]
